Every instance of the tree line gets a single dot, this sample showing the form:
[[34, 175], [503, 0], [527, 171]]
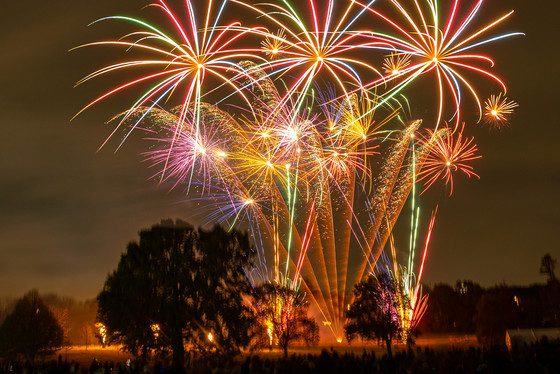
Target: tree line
[[468, 308], [180, 288]]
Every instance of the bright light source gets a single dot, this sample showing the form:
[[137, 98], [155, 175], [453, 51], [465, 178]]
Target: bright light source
[[102, 331], [155, 330]]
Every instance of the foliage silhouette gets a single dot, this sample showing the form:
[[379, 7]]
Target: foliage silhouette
[[282, 314], [30, 330], [174, 287], [374, 312]]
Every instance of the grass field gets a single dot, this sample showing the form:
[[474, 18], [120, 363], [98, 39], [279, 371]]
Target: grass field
[[85, 355]]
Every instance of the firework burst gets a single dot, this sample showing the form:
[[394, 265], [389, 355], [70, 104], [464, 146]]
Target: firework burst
[[180, 65], [447, 156], [498, 110], [395, 63], [274, 45], [439, 47], [322, 46]]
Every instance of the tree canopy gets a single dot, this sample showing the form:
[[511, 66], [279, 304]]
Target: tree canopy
[[176, 286], [283, 317], [30, 330], [374, 312]]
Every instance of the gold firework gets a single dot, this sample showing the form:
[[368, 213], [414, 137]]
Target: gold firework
[[498, 110]]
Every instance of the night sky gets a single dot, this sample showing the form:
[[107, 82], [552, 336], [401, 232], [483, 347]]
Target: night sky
[[68, 211]]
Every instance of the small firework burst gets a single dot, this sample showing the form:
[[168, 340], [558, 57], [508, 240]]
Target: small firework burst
[[396, 62], [498, 110], [448, 155], [274, 44]]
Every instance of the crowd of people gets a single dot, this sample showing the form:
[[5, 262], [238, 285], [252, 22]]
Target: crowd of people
[[543, 357], [540, 358]]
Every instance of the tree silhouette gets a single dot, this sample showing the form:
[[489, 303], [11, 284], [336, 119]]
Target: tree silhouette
[[282, 315], [30, 330], [174, 287], [374, 312], [551, 293], [548, 264]]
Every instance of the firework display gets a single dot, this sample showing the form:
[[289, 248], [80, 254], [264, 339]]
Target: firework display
[[293, 128]]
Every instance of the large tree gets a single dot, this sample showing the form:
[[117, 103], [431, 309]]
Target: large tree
[[283, 316], [30, 330], [374, 312], [177, 285]]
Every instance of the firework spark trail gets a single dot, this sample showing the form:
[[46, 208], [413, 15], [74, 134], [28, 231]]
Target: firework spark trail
[[336, 247], [396, 198], [239, 198], [309, 268], [383, 187], [242, 180], [411, 304], [317, 267], [423, 261], [338, 252], [402, 188]]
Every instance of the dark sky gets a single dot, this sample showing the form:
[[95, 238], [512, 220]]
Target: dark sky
[[67, 211]]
